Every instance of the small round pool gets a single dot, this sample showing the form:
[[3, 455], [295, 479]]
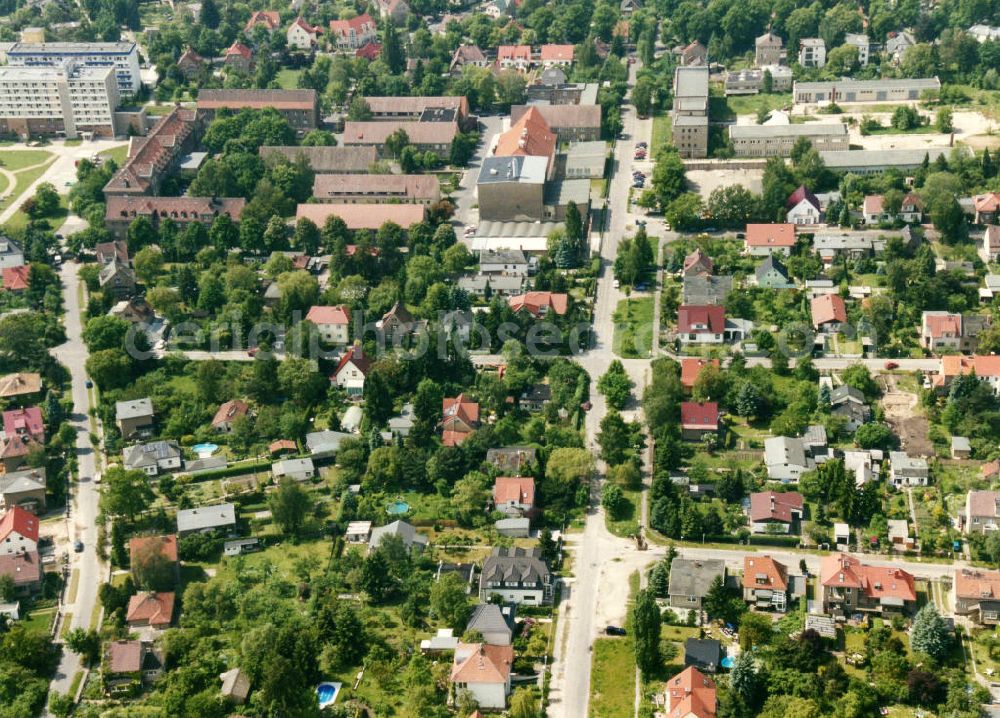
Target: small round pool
[[326, 694], [397, 508], [727, 662], [204, 450]]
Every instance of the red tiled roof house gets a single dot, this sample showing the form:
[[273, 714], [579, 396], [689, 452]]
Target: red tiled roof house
[[765, 583], [772, 512], [849, 586], [690, 369], [691, 694], [977, 595], [333, 322], [460, 417], [148, 608], [351, 371], [829, 313], [701, 324], [514, 495], [267, 19], [141, 546], [538, 304], [699, 420], [354, 33], [228, 413], [301, 35], [803, 208], [764, 239], [484, 671]]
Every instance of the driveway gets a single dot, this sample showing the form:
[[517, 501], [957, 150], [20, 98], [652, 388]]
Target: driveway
[[465, 196]]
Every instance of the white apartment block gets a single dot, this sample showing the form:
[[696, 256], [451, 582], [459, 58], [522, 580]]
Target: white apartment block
[[54, 100], [863, 44], [812, 52], [122, 56]]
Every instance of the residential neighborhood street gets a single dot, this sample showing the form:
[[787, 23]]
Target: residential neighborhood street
[[86, 495]]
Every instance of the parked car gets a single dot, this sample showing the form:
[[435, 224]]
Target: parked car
[[614, 631], [89, 384], [78, 546], [890, 365]]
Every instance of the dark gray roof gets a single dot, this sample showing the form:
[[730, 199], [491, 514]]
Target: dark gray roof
[[772, 263], [702, 651], [489, 618], [846, 393], [150, 453], [515, 564], [206, 517], [707, 289], [693, 577], [325, 442]]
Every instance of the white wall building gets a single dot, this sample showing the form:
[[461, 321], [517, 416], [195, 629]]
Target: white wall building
[[53, 100], [123, 57]]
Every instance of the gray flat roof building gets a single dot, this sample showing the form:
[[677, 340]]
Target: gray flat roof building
[[206, 518], [133, 409], [845, 90], [524, 169], [693, 577], [875, 161]]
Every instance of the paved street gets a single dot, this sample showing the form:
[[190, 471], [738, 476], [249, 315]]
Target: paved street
[[595, 549], [83, 516]]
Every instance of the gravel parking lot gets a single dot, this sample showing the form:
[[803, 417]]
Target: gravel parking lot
[[704, 181]]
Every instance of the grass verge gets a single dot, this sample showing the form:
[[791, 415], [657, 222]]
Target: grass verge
[[74, 586], [627, 521], [65, 628], [612, 678], [633, 337]]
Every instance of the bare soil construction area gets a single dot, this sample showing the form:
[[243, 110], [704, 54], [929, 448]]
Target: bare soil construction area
[[905, 418]]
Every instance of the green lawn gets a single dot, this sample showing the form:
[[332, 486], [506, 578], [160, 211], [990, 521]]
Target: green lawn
[[661, 131], [25, 178], [612, 679], [4, 183], [633, 337], [39, 621], [118, 154], [627, 523], [890, 130], [15, 160], [20, 220], [289, 79], [154, 111], [750, 104]]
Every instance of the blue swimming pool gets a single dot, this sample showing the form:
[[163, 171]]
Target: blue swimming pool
[[205, 450], [727, 662], [397, 508], [326, 693]]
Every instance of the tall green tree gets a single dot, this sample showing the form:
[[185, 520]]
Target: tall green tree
[[930, 633], [646, 631], [289, 506], [392, 48]]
